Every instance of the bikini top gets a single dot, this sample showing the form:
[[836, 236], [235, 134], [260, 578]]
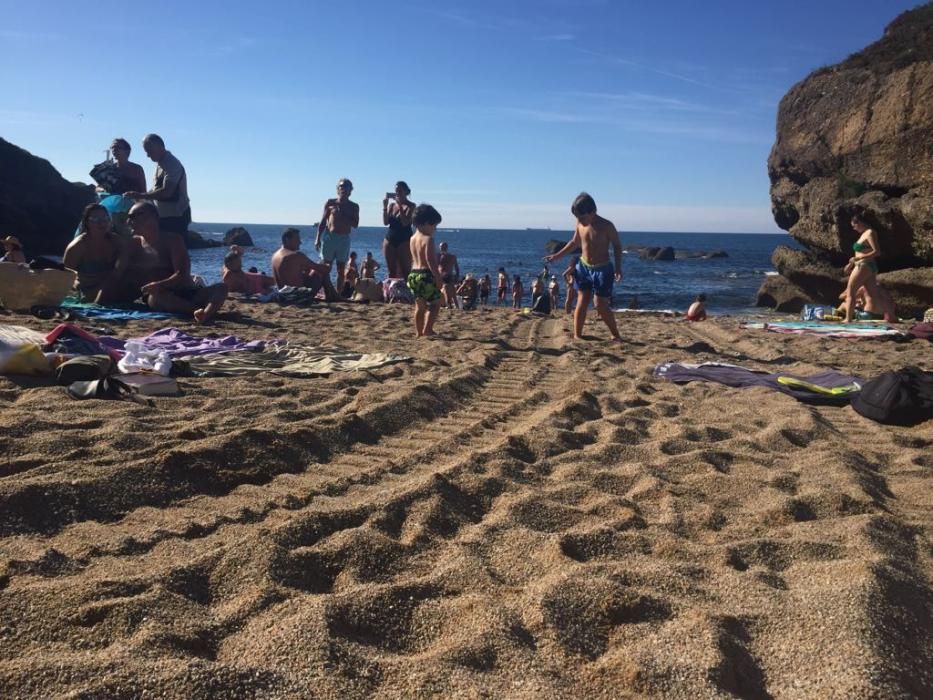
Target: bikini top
[[860, 247]]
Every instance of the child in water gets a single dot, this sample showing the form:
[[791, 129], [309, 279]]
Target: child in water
[[517, 292], [485, 285]]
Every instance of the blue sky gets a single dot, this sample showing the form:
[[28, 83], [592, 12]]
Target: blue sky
[[498, 113]]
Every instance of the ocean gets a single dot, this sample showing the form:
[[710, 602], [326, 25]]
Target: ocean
[[729, 283]]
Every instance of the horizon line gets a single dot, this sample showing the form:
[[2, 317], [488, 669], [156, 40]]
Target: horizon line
[[479, 228]]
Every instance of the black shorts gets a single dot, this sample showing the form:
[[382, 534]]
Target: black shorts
[[176, 224]]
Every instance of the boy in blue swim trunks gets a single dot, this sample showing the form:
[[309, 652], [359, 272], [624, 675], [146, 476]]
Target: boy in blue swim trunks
[[424, 280], [594, 273], [340, 217]]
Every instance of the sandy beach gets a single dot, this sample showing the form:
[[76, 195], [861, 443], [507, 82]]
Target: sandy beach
[[506, 515]]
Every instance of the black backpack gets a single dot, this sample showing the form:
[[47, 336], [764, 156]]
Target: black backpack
[[902, 397]]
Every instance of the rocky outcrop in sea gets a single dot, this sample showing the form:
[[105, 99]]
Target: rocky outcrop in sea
[[858, 136]]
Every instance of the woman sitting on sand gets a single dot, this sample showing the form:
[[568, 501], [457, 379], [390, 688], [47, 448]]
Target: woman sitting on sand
[[863, 271], [98, 256]]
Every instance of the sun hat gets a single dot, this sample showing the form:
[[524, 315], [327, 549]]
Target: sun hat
[[13, 242]]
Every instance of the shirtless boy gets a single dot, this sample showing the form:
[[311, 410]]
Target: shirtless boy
[[424, 280], [340, 217], [485, 284], [502, 286], [450, 274], [292, 268], [594, 274], [370, 265]]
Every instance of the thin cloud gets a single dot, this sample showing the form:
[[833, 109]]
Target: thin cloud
[[542, 115], [642, 101]]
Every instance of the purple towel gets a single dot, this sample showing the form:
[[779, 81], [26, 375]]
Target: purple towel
[[735, 376], [180, 344]]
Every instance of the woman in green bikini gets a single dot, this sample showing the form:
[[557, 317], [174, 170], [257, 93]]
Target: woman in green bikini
[[863, 271]]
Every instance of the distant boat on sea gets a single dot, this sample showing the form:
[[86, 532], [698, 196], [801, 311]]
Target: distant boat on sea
[[538, 229]]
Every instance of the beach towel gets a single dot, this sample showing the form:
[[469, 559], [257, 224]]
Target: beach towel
[[823, 388], [290, 360], [828, 330], [177, 343], [71, 339], [128, 312]]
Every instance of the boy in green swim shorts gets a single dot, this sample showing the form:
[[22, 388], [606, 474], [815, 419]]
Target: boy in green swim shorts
[[424, 280]]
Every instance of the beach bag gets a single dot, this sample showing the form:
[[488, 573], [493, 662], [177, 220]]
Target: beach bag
[[83, 369], [107, 175], [816, 312], [396, 291], [901, 397]]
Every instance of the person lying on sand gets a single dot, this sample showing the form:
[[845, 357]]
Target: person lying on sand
[[292, 268], [594, 274], [162, 268], [424, 280], [242, 282]]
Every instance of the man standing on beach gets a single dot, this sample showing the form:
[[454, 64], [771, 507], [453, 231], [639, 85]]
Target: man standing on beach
[[450, 274], [170, 192], [340, 217], [594, 273], [292, 268]]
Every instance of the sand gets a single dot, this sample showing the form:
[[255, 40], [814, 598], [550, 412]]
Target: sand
[[507, 515]]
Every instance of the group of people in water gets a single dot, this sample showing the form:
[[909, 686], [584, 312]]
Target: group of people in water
[[153, 264]]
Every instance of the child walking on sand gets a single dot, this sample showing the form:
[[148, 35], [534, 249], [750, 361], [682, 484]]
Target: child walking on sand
[[594, 274], [517, 292], [424, 280]]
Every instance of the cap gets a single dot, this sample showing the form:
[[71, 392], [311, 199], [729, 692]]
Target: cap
[[13, 242]]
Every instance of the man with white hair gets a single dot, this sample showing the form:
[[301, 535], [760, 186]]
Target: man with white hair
[[170, 192]]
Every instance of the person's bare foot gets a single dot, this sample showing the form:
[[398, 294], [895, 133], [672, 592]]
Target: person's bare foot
[[200, 316], [428, 334], [616, 340]]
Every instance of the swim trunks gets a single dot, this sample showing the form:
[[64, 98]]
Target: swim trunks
[[594, 278], [335, 247], [421, 284], [449, 278]]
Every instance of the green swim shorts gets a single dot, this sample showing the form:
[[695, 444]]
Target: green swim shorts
[[421, 284]]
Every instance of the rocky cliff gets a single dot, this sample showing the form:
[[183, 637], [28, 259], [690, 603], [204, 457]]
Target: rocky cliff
[[37, 205], [858, 136]]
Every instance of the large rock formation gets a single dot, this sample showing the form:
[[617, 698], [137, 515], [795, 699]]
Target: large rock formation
[[858, 136], [37, 205]]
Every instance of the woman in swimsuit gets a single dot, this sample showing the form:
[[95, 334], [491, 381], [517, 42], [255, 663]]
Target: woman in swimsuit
[[863, 271], [98, 256], [397, 216]]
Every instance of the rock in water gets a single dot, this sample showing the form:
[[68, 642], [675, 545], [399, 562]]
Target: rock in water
[[195, 241], [238, 236], [37, 205], [859, 136]]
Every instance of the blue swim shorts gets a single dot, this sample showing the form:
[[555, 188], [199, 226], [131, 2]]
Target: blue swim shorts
[[335, 247], [594, 278]]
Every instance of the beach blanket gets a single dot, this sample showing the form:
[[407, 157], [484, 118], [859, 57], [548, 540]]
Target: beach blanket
[[177, 343], [825, 388], [20, 335], [828, 330], [127, 312], [290, 360]]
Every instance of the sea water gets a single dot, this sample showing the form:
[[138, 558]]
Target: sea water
[[729, 283]]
